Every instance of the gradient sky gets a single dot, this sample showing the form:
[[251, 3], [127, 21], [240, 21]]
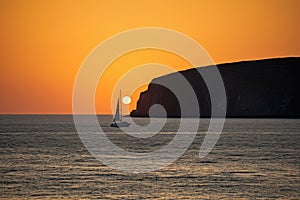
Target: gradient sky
[[43, 43]]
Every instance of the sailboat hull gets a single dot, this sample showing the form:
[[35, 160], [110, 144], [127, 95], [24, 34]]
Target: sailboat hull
[[120, 124]]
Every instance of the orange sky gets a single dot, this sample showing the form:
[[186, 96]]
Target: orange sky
[[43, 43]]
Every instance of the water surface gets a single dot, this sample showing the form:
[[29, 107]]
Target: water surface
[[43, 157]]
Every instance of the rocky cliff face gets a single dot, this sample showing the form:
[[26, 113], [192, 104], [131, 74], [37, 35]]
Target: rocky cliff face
[[263, 88]]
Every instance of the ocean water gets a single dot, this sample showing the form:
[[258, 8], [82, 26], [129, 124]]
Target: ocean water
[[42, 157]]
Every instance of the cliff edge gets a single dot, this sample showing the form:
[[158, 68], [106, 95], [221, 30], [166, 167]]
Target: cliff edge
[[261, 88]]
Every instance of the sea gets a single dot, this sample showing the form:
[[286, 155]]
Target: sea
[[42, 157]]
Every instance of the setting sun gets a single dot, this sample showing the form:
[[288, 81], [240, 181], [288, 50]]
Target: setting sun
[[126, 100]]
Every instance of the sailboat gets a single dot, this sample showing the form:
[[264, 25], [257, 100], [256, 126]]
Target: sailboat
[[117, 121]]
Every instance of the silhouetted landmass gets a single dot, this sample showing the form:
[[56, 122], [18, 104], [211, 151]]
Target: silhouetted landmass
[[262, 88]]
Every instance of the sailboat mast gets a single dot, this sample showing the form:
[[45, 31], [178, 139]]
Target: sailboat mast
[[120, 106]]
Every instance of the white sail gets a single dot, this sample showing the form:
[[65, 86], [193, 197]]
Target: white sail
[[117, 114], [117, 122]]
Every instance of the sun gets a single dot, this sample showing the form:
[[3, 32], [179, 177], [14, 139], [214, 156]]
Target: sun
[[126, 100]]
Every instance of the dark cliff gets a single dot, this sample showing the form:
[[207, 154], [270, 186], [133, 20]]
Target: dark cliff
[[262, 88]]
